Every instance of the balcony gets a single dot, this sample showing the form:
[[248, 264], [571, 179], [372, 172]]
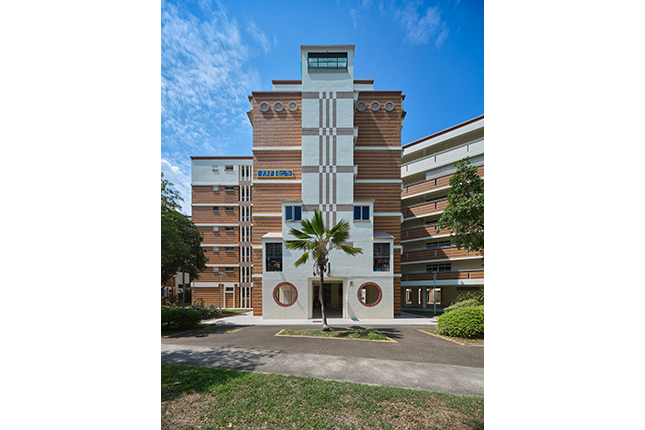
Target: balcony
[[443, 276], [423, 255], [423, 209], [422, 232]]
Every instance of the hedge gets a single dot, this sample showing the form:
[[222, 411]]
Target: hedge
[[463, 304], [466, 323], [180, 318]]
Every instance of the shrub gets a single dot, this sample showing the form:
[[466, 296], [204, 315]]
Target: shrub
[[207, 312], [463, 304], [467, 322], [477, 295], [180, 318]]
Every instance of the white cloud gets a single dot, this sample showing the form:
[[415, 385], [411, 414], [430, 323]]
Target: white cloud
[[421, 29], [180, 177]]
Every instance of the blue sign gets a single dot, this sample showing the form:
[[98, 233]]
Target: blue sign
[[275, 173]]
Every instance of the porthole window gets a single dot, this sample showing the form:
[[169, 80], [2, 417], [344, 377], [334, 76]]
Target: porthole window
[[360, 106], [375, 106], [370, 294], [389, 106], [264, 107], [277, 106], [285, 294], [292, 106]]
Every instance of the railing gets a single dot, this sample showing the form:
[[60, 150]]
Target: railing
[[436, 254], [424, 209], [421, 232], [443, 276]]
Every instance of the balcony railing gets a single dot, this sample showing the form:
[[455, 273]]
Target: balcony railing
[[443, 276], [428, 231], [436, 254], [424, 209]]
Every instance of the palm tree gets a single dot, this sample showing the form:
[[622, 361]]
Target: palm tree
[[316, 240]]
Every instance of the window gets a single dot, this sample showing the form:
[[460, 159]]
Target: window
[[230, 249], [327, 61], [228, 168], [228, 188], [370, 294], [381, 257], [230, 228], [230, 269], [293, 213], [229, 289], [361, 213], [215, 208], [408, 296], [274, 256], [436, 245], [230, 208], [285, 294], [446, 267]]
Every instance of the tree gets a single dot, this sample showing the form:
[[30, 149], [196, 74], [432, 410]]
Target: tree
[[464, 215], [181, 249], [318, 242]]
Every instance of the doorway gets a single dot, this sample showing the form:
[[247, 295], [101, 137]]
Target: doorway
[[333, 298]]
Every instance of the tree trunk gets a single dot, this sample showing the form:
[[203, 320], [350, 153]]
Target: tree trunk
[[325, 327]]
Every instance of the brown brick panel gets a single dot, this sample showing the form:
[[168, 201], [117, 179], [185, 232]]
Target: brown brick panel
[[205, 194], [211, 296], [442, 276], [387, 199], [424, 209], [206, 215], [378, 165], [432, 184], [397, 296], [266, 197], [210, 276], [422, 232], [223, 256], [220, 237], [273, 128], [390, 225], [380, 128], [437, 254], [258, 264], [270, 160], [264, 225], [256, 297]]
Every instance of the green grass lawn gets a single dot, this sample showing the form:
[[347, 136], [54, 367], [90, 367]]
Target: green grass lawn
[[205, 398], [338, 333]]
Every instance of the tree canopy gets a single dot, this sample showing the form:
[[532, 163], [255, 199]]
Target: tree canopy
[[181, 249], [464, 215]]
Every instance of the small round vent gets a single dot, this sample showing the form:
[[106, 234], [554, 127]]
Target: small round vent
[[277, 106], [375, 106], [360, 106], [264, 107], [389, 106], [292, 106]]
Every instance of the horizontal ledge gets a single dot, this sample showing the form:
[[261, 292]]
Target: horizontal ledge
[[216, 204], [377, 148], [378, 181], [441, 260], [260, 215], [278, 181], [278, 148], [387, 214]]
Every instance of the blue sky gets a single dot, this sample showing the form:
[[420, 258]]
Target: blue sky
[[215, 53]]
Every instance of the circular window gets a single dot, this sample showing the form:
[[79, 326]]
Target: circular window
[[264, 106], [370, 294], [278, 106], [360, 106], [285, 294], [293, 106], [389, 106], [375, 106]]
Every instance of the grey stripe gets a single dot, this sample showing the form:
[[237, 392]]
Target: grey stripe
[[344, 169], [310, 169], [344, 208], [310, 94], [345, 131], [342, 95], [310, 131]]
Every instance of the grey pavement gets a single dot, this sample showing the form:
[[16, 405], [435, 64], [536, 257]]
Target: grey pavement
[[413, 360]]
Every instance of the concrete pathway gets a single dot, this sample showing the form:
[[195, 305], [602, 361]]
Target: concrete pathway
[[247, 318]]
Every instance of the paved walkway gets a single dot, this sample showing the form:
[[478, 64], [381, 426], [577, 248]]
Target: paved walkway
[[414, 360], [247, 318]]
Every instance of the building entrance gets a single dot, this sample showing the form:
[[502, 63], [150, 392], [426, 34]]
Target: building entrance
[[333, 298]]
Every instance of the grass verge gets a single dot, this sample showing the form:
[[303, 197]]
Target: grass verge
[[338, 333], [205, 398], [459, 340]]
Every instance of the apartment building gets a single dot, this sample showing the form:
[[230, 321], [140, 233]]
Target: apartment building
[[326, 142], [433, 270], [221, 210]]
